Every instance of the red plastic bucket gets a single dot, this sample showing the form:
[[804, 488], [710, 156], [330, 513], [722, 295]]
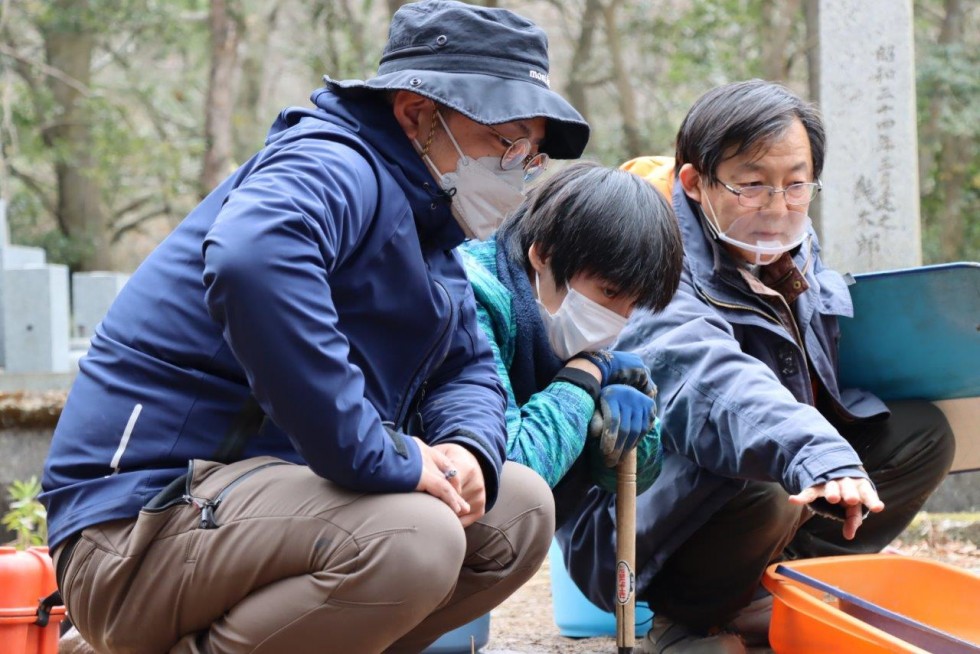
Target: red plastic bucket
[[25, 579]]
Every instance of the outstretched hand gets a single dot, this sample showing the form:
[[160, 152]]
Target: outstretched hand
[[853, 493]]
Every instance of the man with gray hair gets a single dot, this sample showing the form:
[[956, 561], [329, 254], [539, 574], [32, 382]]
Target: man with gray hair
[[288, 434], [766, 457]]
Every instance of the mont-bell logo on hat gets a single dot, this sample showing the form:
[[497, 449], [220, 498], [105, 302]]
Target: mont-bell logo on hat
[[541, 77]]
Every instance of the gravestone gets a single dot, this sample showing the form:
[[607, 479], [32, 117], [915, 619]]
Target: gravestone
[[13, 256], [36, 319], [869, 207], [91, 295]]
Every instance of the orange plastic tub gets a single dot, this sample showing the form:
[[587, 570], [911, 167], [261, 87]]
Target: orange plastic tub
[[26, 578], [807, 620]]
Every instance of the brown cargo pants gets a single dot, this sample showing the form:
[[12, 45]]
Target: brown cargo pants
[[289, 562]]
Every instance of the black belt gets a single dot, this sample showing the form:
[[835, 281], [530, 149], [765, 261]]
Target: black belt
[[65, 557]]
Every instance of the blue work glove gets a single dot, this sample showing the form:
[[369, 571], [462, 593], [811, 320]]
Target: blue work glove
[[627, 414], [649, 461], [619, 367]]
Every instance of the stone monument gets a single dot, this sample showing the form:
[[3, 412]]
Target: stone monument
[[869, 207]]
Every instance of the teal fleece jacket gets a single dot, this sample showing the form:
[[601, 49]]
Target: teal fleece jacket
[[549, 432]]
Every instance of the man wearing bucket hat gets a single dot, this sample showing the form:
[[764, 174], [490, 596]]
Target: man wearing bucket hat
[[766, 456], [288, 434]]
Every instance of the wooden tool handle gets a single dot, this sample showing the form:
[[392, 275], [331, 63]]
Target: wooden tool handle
[[626, 553]]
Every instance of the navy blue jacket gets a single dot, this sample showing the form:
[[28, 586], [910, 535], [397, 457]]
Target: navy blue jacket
[[311, 308], [738, 403]]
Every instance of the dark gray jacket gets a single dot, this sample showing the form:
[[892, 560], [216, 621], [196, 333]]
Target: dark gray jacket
[[738, 403]]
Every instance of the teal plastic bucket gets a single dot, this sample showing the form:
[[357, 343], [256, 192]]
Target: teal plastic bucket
[[457, 641], [575, 615]]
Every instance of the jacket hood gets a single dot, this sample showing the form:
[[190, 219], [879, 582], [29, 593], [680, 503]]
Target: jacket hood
[[368, 121]]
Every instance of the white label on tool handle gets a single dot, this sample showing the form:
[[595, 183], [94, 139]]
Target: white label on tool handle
[[624, 582]]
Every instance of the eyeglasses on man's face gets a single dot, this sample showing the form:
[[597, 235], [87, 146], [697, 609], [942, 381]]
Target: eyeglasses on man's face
[[518, 153], [759, 197]]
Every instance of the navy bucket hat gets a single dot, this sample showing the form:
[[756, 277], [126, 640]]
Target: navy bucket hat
[[489, 64]]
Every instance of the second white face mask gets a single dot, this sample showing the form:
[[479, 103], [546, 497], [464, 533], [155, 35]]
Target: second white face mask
[[484, 192], [579, 325], [765, 233]]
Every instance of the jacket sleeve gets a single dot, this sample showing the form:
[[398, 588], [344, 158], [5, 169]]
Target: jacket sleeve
[[726, 410], [268, 263], [547, 433], [464, 400]]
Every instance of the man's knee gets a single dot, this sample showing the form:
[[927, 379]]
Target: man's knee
[[428, 556], [919, 444], [941, 440], [765, 507], [517, 532], [530, 500]]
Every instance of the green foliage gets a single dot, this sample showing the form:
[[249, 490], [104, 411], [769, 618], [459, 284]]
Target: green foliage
[[26, 517], [150, 76], [948, 90]]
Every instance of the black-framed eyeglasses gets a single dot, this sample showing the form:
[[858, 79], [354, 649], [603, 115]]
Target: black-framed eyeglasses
[[518, 153], [759, 197]]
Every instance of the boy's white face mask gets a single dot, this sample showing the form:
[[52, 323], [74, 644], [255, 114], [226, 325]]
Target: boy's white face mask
[[765, 234], [484, 192], [579, 325]]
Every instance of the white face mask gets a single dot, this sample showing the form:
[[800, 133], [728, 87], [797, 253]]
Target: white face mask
[[579, 325], [765, 233], [484, 192]]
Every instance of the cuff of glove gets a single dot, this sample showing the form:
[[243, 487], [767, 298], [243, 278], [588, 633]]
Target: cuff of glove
[[580, 378]]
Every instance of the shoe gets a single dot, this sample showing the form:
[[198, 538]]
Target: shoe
[[752, 622], [669, 637], [73, 643]]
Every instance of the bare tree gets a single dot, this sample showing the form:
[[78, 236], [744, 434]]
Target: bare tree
[[581, 56], [779, 24], [224, 21], [395, 5], [69, 44], [939, 145], [625, 96]]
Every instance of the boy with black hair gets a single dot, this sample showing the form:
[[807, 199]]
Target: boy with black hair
[[553, 290]]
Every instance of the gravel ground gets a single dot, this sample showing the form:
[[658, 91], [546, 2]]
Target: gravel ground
[[525, 624]]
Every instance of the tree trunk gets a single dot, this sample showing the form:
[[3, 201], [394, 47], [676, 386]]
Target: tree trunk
[[625, 96], [951, 150], [69, 46], [223, 23], [354, 23], [956, 153], [950, 31], [395, 5], [582, 55], [812, 18], [779, 21], [249, 117]]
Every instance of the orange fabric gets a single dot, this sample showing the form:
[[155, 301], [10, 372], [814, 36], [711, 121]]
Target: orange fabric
[[659, 171]]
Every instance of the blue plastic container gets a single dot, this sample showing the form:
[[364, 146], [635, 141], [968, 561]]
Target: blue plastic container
[[457, 641], [575, 615]]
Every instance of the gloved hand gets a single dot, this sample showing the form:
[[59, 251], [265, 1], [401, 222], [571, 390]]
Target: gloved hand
[[649, 461], [619, 367], [627, 414]]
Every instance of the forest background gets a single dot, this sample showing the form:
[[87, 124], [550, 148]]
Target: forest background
[[118, 116]]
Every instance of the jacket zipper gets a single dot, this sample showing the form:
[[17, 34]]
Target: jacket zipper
[[206, 506], [743, 307], [797, 338], [408, 401]]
